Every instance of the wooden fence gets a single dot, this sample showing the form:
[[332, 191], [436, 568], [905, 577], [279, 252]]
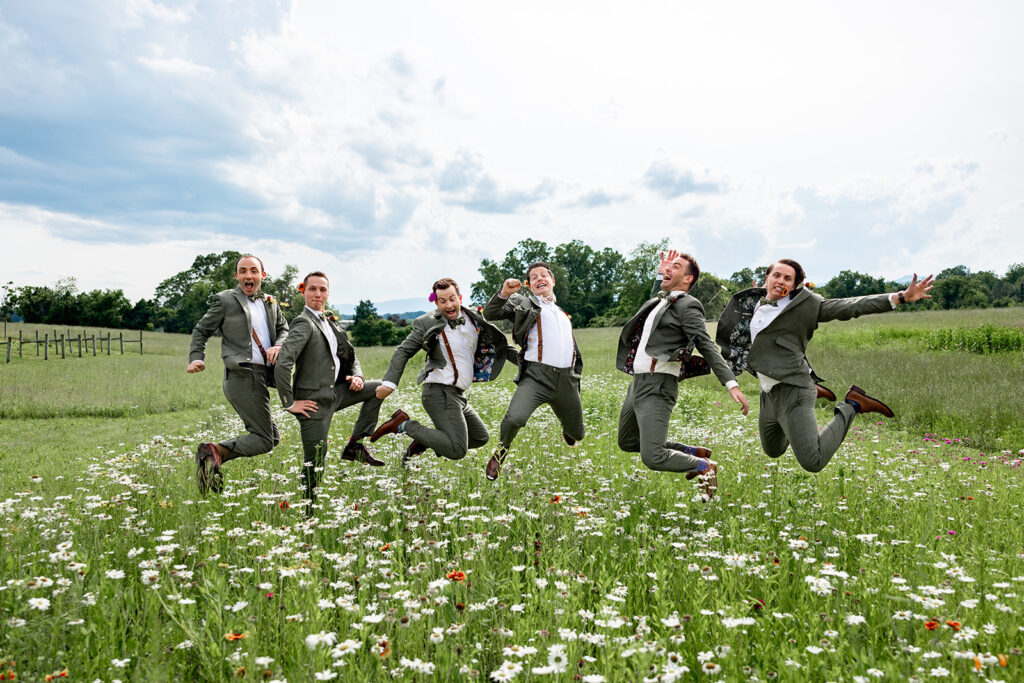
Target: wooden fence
[[68, 344]]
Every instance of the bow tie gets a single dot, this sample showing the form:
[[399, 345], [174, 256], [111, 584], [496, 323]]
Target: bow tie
[[765, 301], [461, 320], [550, 299], [258, 296], [322, 316]]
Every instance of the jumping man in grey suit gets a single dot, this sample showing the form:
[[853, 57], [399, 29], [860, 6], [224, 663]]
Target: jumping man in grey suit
[[252, 331], [327, 379], [462, 348], [766, 330], [655, 347], [550, 363]]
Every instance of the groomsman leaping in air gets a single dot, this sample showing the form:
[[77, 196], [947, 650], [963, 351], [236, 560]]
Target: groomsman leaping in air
[[549, 360], [462, 348], [766, 330]]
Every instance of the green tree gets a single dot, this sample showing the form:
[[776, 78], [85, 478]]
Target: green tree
[[637, 277], [493, 274], [713, 293], [851, 283], [184, 297]]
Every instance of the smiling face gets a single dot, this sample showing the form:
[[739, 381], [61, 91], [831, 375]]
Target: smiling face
[[316, 291], [541, 281], [677, 276], [249, 275], [449, 302], [780, 281]]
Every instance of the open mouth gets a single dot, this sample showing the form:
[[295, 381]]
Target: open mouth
[[248, 284]]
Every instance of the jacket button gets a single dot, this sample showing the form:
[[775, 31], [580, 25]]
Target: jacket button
[[331, 387]]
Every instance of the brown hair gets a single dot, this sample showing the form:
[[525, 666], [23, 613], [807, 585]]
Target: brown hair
[[445, 283], [538, 264], [316, 273], [691, 268], [262, 268], [799, 270]]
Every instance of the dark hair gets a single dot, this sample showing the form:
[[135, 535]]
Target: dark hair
[[691, 268], [799, 270], [262, 269], [315, 273], [537, 264], [445, 283]]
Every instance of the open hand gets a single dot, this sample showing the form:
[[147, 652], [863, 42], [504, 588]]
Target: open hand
[[666, 260], [303, 407], [740, 398], [916, 291]]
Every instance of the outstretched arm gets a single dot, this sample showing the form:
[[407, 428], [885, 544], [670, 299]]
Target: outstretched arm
[[405, 351], [915, 291]]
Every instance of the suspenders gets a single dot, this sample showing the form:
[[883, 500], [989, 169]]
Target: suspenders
[[451, 356]]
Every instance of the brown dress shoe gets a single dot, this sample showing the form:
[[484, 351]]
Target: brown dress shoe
[[568, 439], [697, 452], [709, 480], [494, 464], [355, 450], [391, 426], [865, 404], [824, 392], [411, 451], [208, 462]]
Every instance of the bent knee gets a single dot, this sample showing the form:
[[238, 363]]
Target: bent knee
[[654, 459]]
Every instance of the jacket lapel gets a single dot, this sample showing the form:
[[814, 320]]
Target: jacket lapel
[[243, 301], [316, 323], [660, 313], [797, 299]]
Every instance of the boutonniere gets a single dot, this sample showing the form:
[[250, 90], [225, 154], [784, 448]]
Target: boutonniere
[[270, 299], [332, 318]]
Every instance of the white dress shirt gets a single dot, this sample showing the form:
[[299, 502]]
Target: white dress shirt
[[258, 315], [462, 339], [332, 339], [556, 330]]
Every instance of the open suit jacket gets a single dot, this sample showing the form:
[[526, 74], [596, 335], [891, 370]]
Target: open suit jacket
[[309, 353], [780, 349], [491, 351], [229, 313], [679, 327], [523, 310]]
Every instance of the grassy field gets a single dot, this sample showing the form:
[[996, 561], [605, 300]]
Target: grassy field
[[903, 559]]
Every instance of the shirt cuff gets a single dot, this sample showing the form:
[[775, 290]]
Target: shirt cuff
[[504, 298], [730, 384], [390, 385], [894, 300]]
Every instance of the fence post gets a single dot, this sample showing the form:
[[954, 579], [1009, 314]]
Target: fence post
[[110, 335], [94, 344], [37, 343], [79, 346], [140, 342], [120, 337], [46, 347], [62, 356], [10, 341], [19, 343]]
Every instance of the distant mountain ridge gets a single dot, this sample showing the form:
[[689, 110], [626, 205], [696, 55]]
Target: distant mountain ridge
[[406, 307]]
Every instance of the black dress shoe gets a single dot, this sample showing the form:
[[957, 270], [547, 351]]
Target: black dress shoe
[[411, 451], [355, 450]]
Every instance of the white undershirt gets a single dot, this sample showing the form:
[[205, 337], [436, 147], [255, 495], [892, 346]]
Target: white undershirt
[[642, 361], [557, 332], [462, 339], [258, 314], [763, 316], [332, 339]]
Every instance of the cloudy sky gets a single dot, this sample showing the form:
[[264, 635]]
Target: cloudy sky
[[393, 143]]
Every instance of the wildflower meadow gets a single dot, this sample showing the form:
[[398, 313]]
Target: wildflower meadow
[[902, 560]]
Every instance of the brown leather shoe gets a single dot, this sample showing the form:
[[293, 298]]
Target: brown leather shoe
[[824, 392], [391, 426], [208, 462], [494, 464], [568, 439], [708, 481], [865, 404], [697, 452], [355, 450], [411, 451]]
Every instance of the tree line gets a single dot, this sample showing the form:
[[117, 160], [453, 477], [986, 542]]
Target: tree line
[[596, 287]]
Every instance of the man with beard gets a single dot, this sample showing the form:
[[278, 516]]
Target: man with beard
[[461, 348]]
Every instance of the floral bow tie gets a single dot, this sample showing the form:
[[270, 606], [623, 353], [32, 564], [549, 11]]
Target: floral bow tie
[[765, 301], [258, 296], [549, 299], [461, 320]]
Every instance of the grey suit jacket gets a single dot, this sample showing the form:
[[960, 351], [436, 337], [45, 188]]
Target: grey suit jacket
[[229, 314], [780, 349], [523, 310], [678, 328], [491, 352], [308, 352]]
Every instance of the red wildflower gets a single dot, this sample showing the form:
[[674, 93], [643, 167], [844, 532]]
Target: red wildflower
[[931, 625], [456, 576], [231, 635], [555, 500], [284, 505], [955, 625]]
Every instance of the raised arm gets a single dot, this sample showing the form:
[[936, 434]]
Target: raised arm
[[409, 347], [502, 306]]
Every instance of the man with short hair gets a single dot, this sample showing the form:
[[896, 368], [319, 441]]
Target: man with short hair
[[252, 330], [327, 379], [550, 363], [655, 347], [461, 348], [765, 330]]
